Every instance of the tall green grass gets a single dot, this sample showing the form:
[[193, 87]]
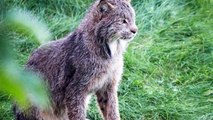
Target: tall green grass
[[168, 67]]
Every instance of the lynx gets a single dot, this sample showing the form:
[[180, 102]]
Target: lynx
[[88, 61]]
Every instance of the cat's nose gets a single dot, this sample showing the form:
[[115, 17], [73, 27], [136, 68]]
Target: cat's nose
[[134, 29]]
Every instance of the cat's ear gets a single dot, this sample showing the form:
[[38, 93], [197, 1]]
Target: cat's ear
[[104, 6]]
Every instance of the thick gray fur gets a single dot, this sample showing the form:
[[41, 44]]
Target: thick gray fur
[[89, 60]]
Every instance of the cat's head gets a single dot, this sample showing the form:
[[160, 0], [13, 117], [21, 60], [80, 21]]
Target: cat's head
[[115, 19]]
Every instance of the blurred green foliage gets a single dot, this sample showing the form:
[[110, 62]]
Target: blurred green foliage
[[17, 84], [168, 67], [26, 24]]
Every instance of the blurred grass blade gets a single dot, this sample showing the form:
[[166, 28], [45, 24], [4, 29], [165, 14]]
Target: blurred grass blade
[[26, 88], [26, 23]]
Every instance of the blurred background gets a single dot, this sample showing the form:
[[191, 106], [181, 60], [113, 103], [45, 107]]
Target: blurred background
[[168, 67]]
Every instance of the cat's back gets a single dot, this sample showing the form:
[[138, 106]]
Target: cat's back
[[52, 59], [42, 55]]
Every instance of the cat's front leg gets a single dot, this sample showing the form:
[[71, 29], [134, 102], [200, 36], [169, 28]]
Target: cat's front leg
[[108, 102], [75, 104]]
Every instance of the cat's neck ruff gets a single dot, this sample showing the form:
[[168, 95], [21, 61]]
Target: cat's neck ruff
[[118, 47]]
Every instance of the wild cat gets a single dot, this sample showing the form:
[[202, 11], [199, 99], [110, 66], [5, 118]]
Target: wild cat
[[89, 60]]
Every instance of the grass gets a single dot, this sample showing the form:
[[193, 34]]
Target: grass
[[168, 67]]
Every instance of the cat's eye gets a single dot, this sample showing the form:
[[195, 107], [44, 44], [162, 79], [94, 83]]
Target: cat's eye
[[125, 21]]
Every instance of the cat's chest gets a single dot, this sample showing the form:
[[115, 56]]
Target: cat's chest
[[107, 74]]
